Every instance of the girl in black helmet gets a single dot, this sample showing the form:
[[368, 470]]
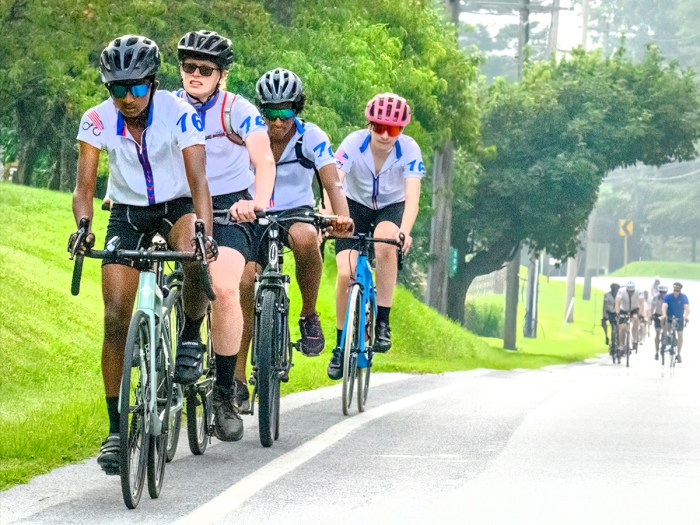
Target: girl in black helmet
[[157, 183], [301, 149], [238, 157]]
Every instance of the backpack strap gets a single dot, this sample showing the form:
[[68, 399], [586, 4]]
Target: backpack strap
[[226, 108], [309, 165]]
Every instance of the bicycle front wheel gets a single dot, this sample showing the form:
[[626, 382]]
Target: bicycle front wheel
[[173, 320], [133, 411], [158, 444], [364, 373], [198, 397], [268, 380], [352, 335]]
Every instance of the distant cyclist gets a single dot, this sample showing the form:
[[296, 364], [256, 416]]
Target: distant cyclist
[[157, 183], [302, 152], [676, 305], [381, 170], [609, 315], [629, 302], [238, 156], [656, 313]]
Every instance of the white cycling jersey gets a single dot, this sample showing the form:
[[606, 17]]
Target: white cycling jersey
[[293, 183], [628, 302], [377, 190], [153, 172], [228, 164]]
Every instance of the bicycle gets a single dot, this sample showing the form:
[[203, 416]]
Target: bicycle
[[271, 355], [358, 328], [146, 391], [626, 346], [614, 347], [670, 343]]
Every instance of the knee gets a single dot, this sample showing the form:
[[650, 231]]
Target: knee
[[116, 321], [384, 252], [344, 273], [227, 294]]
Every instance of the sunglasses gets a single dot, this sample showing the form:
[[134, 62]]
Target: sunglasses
[[205, 71], [392, 131], [274, 113], [120, 90]]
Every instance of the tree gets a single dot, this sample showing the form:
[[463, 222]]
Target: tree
[[551, 139]]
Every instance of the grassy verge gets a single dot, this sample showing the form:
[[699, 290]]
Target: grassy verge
[[667, 270], [51, 398]]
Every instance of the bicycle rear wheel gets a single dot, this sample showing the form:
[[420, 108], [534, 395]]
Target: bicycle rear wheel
[[173, 321], [363, 374], [198, 397], [267, 383], [158, 444], [133, 411], [352, 335]]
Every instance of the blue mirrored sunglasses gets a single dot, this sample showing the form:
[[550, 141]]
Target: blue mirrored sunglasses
[[120, 90]]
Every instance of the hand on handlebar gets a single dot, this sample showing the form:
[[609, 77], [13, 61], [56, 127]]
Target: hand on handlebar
[[80, 242], [406, 239], [341, 226], [244, 210]]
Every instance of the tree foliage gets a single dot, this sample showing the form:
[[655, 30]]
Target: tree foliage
[[552, 138]]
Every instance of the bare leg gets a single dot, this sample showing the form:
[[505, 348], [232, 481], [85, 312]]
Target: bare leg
[[180, 239], [227, 318], [119, 285], [346, 262], [303, 240], [386, 263]]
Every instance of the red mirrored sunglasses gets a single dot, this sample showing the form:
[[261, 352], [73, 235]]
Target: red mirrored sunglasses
[[392, 131]]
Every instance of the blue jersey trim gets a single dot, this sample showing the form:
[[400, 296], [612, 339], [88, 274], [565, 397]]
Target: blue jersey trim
[[300, 127], [399, 153], [365, 144]]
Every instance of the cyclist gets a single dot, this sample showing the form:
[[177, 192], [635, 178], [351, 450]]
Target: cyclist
[[301, 149], [629, 302], [381, 170], [609, 311], [676, 305], [644, 317], [655, 286], [233, 151], [656, 313], [157, 182]]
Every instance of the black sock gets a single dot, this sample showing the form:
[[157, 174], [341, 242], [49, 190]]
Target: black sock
[[383, 313], [113, 413], [190, 332], [225, 366], [338, 336]]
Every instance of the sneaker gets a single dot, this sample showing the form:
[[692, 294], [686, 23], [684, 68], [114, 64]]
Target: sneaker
[[382, 337], [188, 362], [241, 396], [678, 359], [312, 341], [109, 455], [228, 425], [335, 367]]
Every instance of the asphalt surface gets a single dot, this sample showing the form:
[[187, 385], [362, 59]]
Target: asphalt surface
[[585, 443]]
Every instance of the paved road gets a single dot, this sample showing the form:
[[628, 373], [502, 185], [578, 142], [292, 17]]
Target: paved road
[[587, 443]]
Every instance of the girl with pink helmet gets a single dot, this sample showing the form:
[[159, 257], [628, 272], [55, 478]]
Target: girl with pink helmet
[[381, 169]]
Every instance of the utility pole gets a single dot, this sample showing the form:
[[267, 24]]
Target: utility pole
[[553, 39], [441, 222]]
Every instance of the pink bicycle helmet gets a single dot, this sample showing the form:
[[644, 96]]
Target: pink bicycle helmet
[[389, 109]]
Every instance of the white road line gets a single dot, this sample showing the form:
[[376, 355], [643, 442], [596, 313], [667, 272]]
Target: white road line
[[236, 495]]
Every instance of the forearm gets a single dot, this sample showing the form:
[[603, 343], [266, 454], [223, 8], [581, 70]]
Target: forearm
[[264, 182], [195, 168], [411, 205], [333, 188], [86, 182]]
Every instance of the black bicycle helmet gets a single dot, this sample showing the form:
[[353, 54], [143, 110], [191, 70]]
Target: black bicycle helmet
[[278, 86], [206, 45], [129, 57]]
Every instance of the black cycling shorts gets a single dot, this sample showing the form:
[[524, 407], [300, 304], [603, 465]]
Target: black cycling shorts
[[680, 324], [136, 225], [657, 321], [611, 317], [260, 246], [235, 235], [366, 219]]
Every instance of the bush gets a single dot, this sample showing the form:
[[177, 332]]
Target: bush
[[485, 320]]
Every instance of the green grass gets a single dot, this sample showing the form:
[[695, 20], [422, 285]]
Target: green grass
[[52, 407], [664, 269]]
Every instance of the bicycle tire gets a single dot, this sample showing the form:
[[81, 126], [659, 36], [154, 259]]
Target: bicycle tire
[[133, 412], [158, 444], [173, 322], [198, 397], [268, 381], [363, 374], [350, 347]]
